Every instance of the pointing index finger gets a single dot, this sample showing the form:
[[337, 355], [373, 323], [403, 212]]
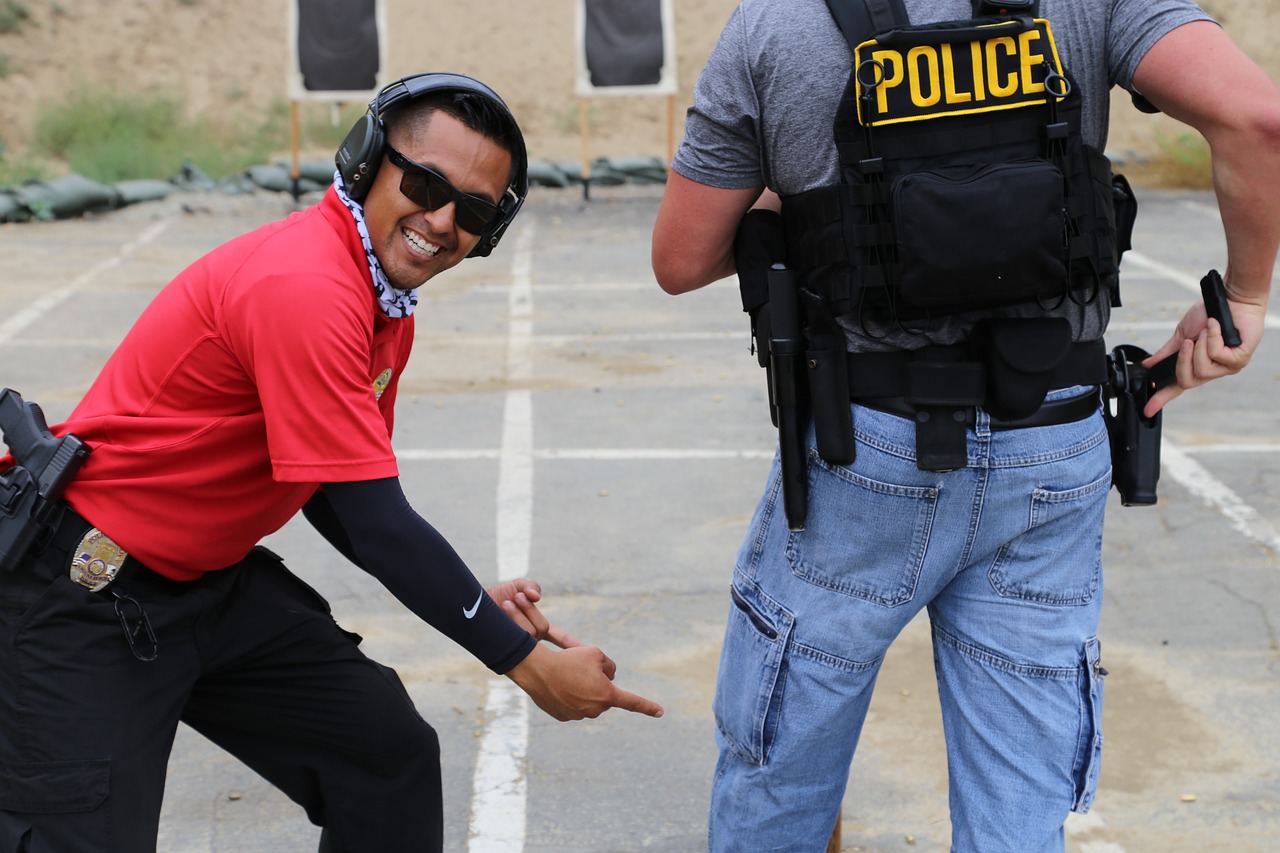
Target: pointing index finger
[[628, 701]]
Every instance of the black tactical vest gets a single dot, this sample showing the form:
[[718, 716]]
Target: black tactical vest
[[964, 181]]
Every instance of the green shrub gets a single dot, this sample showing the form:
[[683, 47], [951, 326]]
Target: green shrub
[[13, 14], [17, 170], [113, 137], [1188, 162]]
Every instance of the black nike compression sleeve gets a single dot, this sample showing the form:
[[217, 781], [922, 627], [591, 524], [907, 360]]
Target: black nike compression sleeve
[[421, 569], [320, 513]]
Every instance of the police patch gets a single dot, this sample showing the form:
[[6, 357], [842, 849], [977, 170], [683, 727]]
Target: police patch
[[380, 383], [914, 75]]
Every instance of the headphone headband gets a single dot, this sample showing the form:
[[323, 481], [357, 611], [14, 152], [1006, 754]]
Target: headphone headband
[[361, 153]]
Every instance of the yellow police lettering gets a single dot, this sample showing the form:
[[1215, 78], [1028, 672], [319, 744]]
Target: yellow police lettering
[[1004, 68], [887, 58], [975, 56], [928, 70], [1030, 61], [1010, 85], [949, 78]]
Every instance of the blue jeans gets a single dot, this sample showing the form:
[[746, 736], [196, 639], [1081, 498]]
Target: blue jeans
[[1006, 555]]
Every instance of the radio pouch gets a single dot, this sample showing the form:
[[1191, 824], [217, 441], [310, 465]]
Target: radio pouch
[[1006, 247], [1021, 355]]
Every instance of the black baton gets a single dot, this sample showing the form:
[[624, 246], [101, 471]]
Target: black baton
[[786, 358]]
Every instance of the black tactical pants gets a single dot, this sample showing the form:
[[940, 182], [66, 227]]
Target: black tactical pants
[[249, 657]]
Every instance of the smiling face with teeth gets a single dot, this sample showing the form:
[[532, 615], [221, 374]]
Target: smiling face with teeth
[[414, 244]]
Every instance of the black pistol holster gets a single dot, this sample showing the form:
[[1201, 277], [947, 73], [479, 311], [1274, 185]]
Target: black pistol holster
[[1135, 438], [30, 489]]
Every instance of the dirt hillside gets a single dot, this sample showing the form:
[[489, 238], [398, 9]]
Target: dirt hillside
[[224, 57]]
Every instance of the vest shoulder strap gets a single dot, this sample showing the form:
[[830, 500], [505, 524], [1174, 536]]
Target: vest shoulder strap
[[859, 20]]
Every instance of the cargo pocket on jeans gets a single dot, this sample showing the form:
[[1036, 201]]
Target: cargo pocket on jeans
[[55, 787], [1089, 750], [752, 674]]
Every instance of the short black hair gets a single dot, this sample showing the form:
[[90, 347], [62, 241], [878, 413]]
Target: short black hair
[[479, 113]]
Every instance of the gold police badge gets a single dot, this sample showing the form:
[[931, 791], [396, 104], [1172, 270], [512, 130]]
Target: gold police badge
[[96, 561]]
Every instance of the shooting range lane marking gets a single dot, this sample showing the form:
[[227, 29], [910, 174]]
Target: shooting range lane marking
[[500, 787], [1243, 518], [602, 454], [1209, 210], [1233, 447], [579, 287], [1082, 824], [29, 315], [1190, 282]]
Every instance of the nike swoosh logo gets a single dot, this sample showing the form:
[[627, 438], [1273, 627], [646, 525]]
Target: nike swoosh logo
[[470, 612]]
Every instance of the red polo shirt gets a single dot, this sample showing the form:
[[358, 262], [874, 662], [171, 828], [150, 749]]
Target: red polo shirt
[[262, 370]]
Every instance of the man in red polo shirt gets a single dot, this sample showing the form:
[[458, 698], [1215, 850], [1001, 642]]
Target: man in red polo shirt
[[261, 381]]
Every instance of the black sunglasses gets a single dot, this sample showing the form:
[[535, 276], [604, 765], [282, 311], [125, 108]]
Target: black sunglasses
[[429, 189]]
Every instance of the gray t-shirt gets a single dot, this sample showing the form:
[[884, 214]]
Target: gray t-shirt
[[765, 103]]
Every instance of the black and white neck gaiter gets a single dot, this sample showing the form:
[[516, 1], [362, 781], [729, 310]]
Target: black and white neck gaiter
[[394, 301]]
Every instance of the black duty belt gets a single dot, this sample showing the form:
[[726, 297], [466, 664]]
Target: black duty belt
[[940, 388], [98, 564], [90, 558], [960, 375], [1052, 413]]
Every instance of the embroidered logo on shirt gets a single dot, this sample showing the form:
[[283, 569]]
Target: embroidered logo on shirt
[[380, 384]]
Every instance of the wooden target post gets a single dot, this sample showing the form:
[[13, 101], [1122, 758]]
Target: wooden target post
[[625, 47]]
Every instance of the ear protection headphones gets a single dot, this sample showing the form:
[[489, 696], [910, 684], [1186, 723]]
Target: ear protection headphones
[[360, 154]]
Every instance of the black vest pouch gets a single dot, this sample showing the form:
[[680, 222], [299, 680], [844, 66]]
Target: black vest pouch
[[1021, 355], [976, 236], [828, 371]]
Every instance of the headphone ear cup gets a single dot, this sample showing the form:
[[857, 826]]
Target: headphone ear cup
[[360, 155]]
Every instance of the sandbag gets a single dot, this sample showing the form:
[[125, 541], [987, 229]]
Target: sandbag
[[70, 195], [12, 210], [143, 189], [639, 170], [546, 174], [317, 171]]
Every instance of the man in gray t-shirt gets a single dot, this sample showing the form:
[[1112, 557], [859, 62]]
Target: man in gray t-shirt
[[1004, 552]]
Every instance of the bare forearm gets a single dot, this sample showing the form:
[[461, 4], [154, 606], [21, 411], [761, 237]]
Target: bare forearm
[[1198, 76], [1246, 177]]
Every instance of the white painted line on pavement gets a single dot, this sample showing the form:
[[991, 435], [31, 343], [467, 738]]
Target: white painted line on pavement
[[51, 300], [1078, 825], [604, 454], [656, 454], [1210, 210], [1177, 276], [1233, 447], [1196, 478], [500, 787], [579, 287], [1190, 282]]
